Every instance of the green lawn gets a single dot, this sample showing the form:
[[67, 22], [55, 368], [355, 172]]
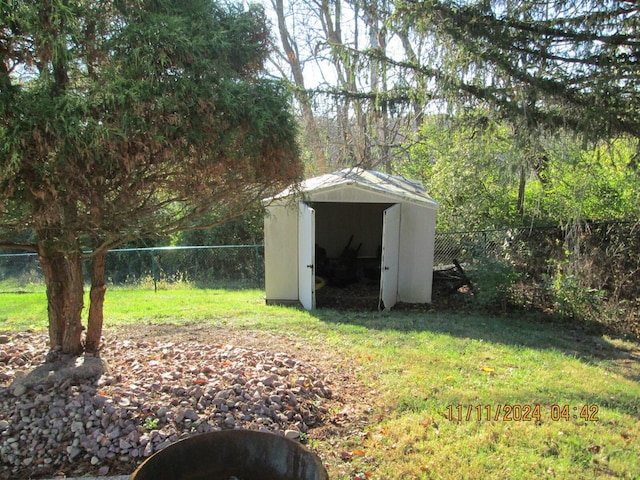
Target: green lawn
[[425, 373]]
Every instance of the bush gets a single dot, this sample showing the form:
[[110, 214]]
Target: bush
[[493, 282], [571, 297]]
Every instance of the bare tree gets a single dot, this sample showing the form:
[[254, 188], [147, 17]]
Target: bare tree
[[360, 100], [293, 60]]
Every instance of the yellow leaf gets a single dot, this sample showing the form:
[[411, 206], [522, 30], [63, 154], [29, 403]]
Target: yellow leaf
[[486, 369]]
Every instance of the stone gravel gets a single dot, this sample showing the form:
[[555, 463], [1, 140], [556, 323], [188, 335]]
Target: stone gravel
[[153, 393]]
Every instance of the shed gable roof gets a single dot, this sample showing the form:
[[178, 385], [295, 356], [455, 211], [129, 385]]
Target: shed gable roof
[[378, 182]]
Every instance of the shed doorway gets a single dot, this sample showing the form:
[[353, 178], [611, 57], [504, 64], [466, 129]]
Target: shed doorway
[[348, 254]]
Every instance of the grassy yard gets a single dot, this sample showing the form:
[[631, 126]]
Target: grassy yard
[[569, 402]]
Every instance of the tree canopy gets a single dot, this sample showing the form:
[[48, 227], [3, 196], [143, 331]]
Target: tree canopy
[[473, 168], [559, 63], [374, 71], [126, 119], [536, 71]]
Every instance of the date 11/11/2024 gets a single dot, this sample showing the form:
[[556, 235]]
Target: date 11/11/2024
[[521, 413]]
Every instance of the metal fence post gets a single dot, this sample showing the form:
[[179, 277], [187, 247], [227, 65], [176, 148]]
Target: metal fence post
[[154, 270]]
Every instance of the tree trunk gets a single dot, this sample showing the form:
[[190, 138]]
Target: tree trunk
[[96, 305], [522, 185], [65, 291], [309, 122]]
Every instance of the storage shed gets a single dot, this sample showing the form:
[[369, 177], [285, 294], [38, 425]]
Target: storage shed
[[346, 227]]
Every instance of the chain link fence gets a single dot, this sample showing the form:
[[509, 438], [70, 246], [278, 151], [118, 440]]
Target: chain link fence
[[467, 246], [609, 252], [228, 266], [498, 244], [601, 256]]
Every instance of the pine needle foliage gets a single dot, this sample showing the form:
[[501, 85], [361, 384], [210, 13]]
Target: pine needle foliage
[[126, 119]]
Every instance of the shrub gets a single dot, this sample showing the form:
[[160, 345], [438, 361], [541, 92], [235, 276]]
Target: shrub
[[571, 295], [493, 282]]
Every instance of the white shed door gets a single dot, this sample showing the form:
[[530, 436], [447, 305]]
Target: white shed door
[[390, 257], [306, 256]]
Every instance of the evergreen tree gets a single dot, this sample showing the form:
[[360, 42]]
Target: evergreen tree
[[563, 63], [125, 119]]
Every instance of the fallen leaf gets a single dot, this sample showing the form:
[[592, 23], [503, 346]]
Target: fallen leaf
[[346, 456], [486, 369]]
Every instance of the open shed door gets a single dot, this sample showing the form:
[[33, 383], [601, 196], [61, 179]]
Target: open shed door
[[390, 257], [306, 256]]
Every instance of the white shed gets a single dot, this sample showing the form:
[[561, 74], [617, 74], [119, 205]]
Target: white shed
[[349, 226]]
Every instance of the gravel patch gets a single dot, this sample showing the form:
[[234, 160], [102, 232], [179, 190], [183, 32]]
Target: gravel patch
[[155, 389]]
